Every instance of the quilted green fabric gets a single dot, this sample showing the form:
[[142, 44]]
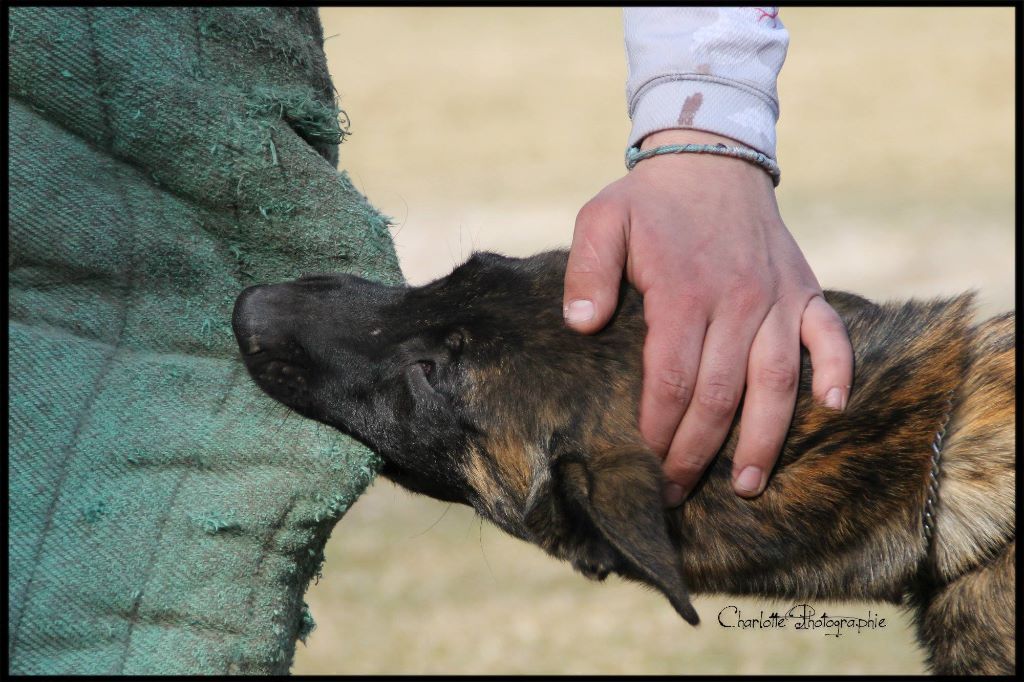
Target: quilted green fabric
[[165, 516]]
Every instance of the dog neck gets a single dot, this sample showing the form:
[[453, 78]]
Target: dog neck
[[842, 516], [973, 513]]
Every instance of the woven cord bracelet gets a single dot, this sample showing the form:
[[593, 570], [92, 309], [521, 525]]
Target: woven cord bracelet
[[635, 156]]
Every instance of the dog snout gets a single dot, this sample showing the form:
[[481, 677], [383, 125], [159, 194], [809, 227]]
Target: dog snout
[[250, 315], [262, 321]]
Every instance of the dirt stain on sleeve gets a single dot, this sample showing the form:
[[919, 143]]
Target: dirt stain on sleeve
[[690, 108]]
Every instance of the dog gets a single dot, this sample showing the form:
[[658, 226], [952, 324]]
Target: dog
[[473, 390]]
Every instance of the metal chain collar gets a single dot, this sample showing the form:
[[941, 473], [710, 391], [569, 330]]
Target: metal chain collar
[[928, 518]]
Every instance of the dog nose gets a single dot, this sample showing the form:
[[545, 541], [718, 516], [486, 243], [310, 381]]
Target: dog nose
[[256, 319], [246, 318]]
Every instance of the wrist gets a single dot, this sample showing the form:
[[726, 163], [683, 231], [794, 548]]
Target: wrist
[[685, 145]]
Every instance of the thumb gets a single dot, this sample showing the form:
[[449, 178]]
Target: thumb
[[594, 271]]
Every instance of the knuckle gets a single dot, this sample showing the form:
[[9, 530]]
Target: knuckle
[[779, 377], [674, 386], [684, 468], [747, 296], [687, 303], [672, 315], [659, 445], [583, 264], [596, 250], [834, 329], [718, 398]]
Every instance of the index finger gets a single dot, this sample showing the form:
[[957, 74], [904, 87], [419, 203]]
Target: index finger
[[671, 357]]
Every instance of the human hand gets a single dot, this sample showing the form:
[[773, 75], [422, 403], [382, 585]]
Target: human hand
[[728, 298]]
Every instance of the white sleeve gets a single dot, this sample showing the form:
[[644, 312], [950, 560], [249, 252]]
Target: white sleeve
[[706, 68]]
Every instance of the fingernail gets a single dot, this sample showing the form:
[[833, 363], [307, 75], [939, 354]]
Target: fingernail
[[835, 398], [579, 311], [672, 494], [749, 481]]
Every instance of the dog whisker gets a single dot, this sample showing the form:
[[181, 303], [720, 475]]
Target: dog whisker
[[480, 537], [437, 521]]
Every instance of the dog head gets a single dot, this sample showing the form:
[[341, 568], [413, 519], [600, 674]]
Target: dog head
[[473, 390]]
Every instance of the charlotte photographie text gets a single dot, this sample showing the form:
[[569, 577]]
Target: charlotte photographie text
[[802, 617]]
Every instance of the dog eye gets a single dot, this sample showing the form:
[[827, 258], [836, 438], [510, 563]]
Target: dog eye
[[455, 341]]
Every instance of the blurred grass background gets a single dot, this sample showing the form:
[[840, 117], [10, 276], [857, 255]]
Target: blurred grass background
[[488, 128]]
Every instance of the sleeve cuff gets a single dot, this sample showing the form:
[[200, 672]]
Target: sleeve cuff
[[705, 103]]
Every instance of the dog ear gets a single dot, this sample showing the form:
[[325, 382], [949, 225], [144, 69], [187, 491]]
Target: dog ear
[[605, 514]]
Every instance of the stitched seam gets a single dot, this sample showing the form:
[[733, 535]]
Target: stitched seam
[[703, 77], [143, 170], [133, 614], [267, 547], [64, 331], [83, 416]]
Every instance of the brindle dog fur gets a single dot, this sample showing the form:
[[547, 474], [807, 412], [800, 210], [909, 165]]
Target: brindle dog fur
[[473, 390]]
